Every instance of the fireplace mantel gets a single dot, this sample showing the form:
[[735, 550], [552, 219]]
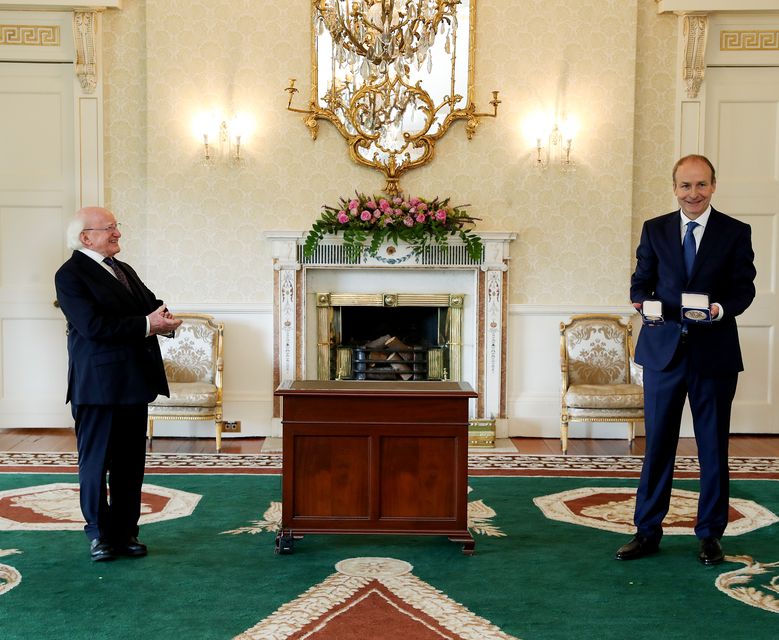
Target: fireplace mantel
[[486, 280]]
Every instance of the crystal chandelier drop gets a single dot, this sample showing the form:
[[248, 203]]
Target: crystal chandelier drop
[[386, 32]]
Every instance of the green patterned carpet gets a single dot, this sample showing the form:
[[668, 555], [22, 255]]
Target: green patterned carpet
[[535, 575]]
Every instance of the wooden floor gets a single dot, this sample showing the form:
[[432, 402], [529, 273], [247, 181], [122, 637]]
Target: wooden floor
[[62, 440]]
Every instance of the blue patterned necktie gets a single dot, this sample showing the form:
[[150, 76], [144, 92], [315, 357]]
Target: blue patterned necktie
[[689, 248], [120, 275]]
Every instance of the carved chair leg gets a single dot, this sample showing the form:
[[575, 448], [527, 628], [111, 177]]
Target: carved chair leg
[[150, 429], [631, 432], [219, 426], [564, 436]]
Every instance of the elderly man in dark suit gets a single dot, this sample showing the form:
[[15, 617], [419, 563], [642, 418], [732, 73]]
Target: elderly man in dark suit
[[695, 249], [115, 369]]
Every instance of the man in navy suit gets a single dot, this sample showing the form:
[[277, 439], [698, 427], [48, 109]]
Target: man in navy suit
[[695, 361], [114, 370]]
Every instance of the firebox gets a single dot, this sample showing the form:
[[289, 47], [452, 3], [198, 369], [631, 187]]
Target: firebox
[[389, 336]]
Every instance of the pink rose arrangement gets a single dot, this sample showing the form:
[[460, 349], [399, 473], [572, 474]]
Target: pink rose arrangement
[[366, 222]]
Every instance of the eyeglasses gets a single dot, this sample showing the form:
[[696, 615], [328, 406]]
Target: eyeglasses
[[110, 228]]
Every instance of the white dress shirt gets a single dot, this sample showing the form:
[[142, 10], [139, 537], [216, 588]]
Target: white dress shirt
[[697, 233]]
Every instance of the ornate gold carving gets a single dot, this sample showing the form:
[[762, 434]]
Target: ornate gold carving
[[695, 31], [751, 40], [390, 118], [30, 35], [84, 37]]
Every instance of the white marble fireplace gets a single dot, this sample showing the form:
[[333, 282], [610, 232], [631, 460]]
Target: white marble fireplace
[[395, 273]]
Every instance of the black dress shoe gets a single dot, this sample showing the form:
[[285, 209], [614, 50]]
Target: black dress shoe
[[710, 551], [637, 548], [131, 547], [100, 550]]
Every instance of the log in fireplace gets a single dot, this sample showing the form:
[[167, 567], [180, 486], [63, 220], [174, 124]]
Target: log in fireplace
[[389, 336]]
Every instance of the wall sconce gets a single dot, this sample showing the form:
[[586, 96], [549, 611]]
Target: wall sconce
[[553, 142], [222, 138]]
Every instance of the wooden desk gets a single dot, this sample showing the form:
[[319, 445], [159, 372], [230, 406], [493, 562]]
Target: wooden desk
[[375, 457]]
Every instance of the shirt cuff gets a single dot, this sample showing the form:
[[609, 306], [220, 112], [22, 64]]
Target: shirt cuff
[[148, 326]]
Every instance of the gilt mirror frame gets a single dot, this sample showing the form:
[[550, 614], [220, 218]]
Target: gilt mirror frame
[[403, 145]]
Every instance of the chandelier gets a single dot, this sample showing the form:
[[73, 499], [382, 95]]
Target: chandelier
[[384, 32], [392, 76]]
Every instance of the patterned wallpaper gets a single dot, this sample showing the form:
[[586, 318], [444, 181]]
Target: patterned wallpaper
[[654, 154], [197, 233]]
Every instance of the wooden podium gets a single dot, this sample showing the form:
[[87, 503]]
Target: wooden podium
[[375, 457]]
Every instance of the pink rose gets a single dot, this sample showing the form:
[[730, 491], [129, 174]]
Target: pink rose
[[398, 212], [377, 214], [371, 204], [384, 205], [342, 217], [365, 216], [440, 215], [420, 217], [422, 206], [408, 221], [353, 204], [414, 202], [397, 201]]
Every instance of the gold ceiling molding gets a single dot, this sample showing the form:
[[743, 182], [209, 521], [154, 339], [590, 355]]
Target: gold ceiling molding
[[749, 40], [30, 35]]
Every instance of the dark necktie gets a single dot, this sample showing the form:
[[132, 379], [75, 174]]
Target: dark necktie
[[120, 275], [688, 246]]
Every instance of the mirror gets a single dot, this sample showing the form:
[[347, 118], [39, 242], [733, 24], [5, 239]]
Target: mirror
[[392, 75]]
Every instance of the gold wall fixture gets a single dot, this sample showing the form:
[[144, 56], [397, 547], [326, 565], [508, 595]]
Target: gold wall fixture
[[222, 138], [553, 141], [392, 76]]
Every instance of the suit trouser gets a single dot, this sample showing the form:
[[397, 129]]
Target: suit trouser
[[710, 399], [111, 440]]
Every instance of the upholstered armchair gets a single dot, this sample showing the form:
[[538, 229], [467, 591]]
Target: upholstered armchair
[[193, 365], [600, 381]]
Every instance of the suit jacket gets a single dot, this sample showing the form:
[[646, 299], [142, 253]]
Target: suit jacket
[[724, 269], [110, 360]]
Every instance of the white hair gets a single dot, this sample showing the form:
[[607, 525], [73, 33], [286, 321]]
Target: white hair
[[73, 232]]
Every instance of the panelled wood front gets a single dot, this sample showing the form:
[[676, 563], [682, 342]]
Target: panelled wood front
[[375, 457]]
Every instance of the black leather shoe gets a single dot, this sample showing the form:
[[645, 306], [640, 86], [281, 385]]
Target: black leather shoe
[[100, 550], [710, 551], [131, 547], [637, 548]]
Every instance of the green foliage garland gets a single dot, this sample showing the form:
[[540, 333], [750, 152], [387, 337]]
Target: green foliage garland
[[372, 220]]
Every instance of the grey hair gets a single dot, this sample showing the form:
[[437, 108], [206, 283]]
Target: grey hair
[[73, 233]]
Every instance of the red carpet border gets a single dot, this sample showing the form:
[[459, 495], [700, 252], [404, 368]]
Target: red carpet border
[[479, 464]]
